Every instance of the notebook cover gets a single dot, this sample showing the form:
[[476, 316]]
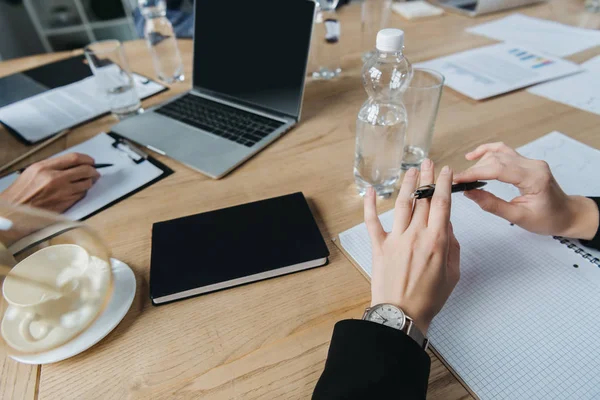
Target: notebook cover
[[221, 245]]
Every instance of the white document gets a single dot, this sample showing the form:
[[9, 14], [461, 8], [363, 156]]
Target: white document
[[45, 114], [580, 91], [546, 36], [124, 177], [416, 9], [523, 322], [500, 68]]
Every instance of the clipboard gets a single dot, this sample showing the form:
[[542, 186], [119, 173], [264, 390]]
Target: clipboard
[[336, 241], [24, 85], [133, 171]]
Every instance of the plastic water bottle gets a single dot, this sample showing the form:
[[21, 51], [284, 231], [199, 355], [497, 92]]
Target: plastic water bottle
[[161, 41], [381, 123]]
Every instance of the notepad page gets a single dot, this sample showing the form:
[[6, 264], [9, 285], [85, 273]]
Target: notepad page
[[523, 321], [124, 177]]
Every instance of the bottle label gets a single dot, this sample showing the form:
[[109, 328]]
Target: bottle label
[[333, 30]]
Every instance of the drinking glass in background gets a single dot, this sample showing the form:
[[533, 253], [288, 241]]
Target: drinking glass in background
[[324, 44], [592, 5], [161, 41], [56, 280], [422, 100], [113, 77], [374, 17]]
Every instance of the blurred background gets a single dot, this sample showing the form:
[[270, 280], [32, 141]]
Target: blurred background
[[37, 26]]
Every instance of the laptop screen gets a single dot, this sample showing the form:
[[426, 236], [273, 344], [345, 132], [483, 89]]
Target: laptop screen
[[253, 51]]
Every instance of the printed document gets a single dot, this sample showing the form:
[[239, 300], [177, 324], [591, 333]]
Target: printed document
[[499, 68], [547, 36], [580, 91], [47, 113]]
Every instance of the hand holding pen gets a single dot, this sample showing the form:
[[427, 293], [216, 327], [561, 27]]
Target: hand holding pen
[[54, 184]]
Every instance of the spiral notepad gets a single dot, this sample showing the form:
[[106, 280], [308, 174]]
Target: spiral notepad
[[523, 322]]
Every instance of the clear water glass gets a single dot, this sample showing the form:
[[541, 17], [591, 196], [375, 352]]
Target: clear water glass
[[422, 100], [113, 77], [325, 41], [592, 5], [161, 41], [374, 17]]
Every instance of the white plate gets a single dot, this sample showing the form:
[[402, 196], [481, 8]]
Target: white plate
[[118, 305]]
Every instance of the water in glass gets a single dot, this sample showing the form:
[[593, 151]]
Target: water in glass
[[161, 41]]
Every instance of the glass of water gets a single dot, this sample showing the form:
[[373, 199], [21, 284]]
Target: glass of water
[[592, 5], [325, 41], [374, 17], [422, 100], [113, 77]]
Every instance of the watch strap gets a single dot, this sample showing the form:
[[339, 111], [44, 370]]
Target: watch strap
[[409, 328], [415, 333]]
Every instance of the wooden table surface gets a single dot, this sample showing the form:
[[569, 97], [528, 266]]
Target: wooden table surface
[[269, 340]]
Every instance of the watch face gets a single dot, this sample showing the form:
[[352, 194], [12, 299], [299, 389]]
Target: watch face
[[387, 314]]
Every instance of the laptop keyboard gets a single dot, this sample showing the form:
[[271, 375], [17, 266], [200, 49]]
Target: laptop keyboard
[[219, 119]]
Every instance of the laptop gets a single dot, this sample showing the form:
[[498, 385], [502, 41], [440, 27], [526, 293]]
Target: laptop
[[473, 8], [249, 67]]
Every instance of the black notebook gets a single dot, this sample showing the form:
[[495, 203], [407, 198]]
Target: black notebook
[[233, 246]]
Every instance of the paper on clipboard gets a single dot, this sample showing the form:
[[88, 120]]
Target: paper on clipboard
[[125, 176]]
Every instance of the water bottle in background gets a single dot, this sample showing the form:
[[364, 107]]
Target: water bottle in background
[[161, 41], [381, 123]]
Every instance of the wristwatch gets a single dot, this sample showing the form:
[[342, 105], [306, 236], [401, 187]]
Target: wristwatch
[[394, 317]]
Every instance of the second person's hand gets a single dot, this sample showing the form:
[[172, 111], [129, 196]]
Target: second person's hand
[[54, 184], [543, 207]]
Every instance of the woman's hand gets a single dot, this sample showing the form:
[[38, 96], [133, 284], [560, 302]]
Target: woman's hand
[[416, 265], [542, 207], [54, 184]]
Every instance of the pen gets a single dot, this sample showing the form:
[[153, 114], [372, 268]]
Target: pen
[[97, 166], [426, 191]]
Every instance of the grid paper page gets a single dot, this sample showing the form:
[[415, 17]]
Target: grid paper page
[[523, 322]]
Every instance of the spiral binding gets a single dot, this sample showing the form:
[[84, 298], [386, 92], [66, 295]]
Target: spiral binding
[[578, 250]]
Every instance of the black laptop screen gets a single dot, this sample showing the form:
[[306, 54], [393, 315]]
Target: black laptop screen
[[254, 51]]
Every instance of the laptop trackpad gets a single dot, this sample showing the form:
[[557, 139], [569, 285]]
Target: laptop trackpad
[[182, 142]]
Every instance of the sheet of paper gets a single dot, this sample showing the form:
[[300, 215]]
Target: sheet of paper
[[546, 36], [18, 86], [523, 321], [500, 68], [122, 178], [45, 114], [580, 91]]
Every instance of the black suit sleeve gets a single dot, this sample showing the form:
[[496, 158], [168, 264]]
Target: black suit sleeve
[[371, 361], [595, 242]]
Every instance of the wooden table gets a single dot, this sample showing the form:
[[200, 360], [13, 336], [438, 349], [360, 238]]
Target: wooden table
[[269, 340]]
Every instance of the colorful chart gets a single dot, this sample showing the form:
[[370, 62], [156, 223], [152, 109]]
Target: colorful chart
[[537, 61]]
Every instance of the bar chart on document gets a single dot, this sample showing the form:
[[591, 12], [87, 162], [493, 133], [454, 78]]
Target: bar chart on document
[[492, 70]]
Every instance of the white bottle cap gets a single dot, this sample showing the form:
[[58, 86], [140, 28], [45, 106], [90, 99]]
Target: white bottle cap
[[390, 39]]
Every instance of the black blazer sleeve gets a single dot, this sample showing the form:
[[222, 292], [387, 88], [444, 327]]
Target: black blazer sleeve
[[371, 361], [595, 242]]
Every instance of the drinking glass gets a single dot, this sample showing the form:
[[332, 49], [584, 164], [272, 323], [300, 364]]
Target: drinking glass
[[56, 279], [592, 5], [422, 100], [324, 43], [374, 17], [113, 77]]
